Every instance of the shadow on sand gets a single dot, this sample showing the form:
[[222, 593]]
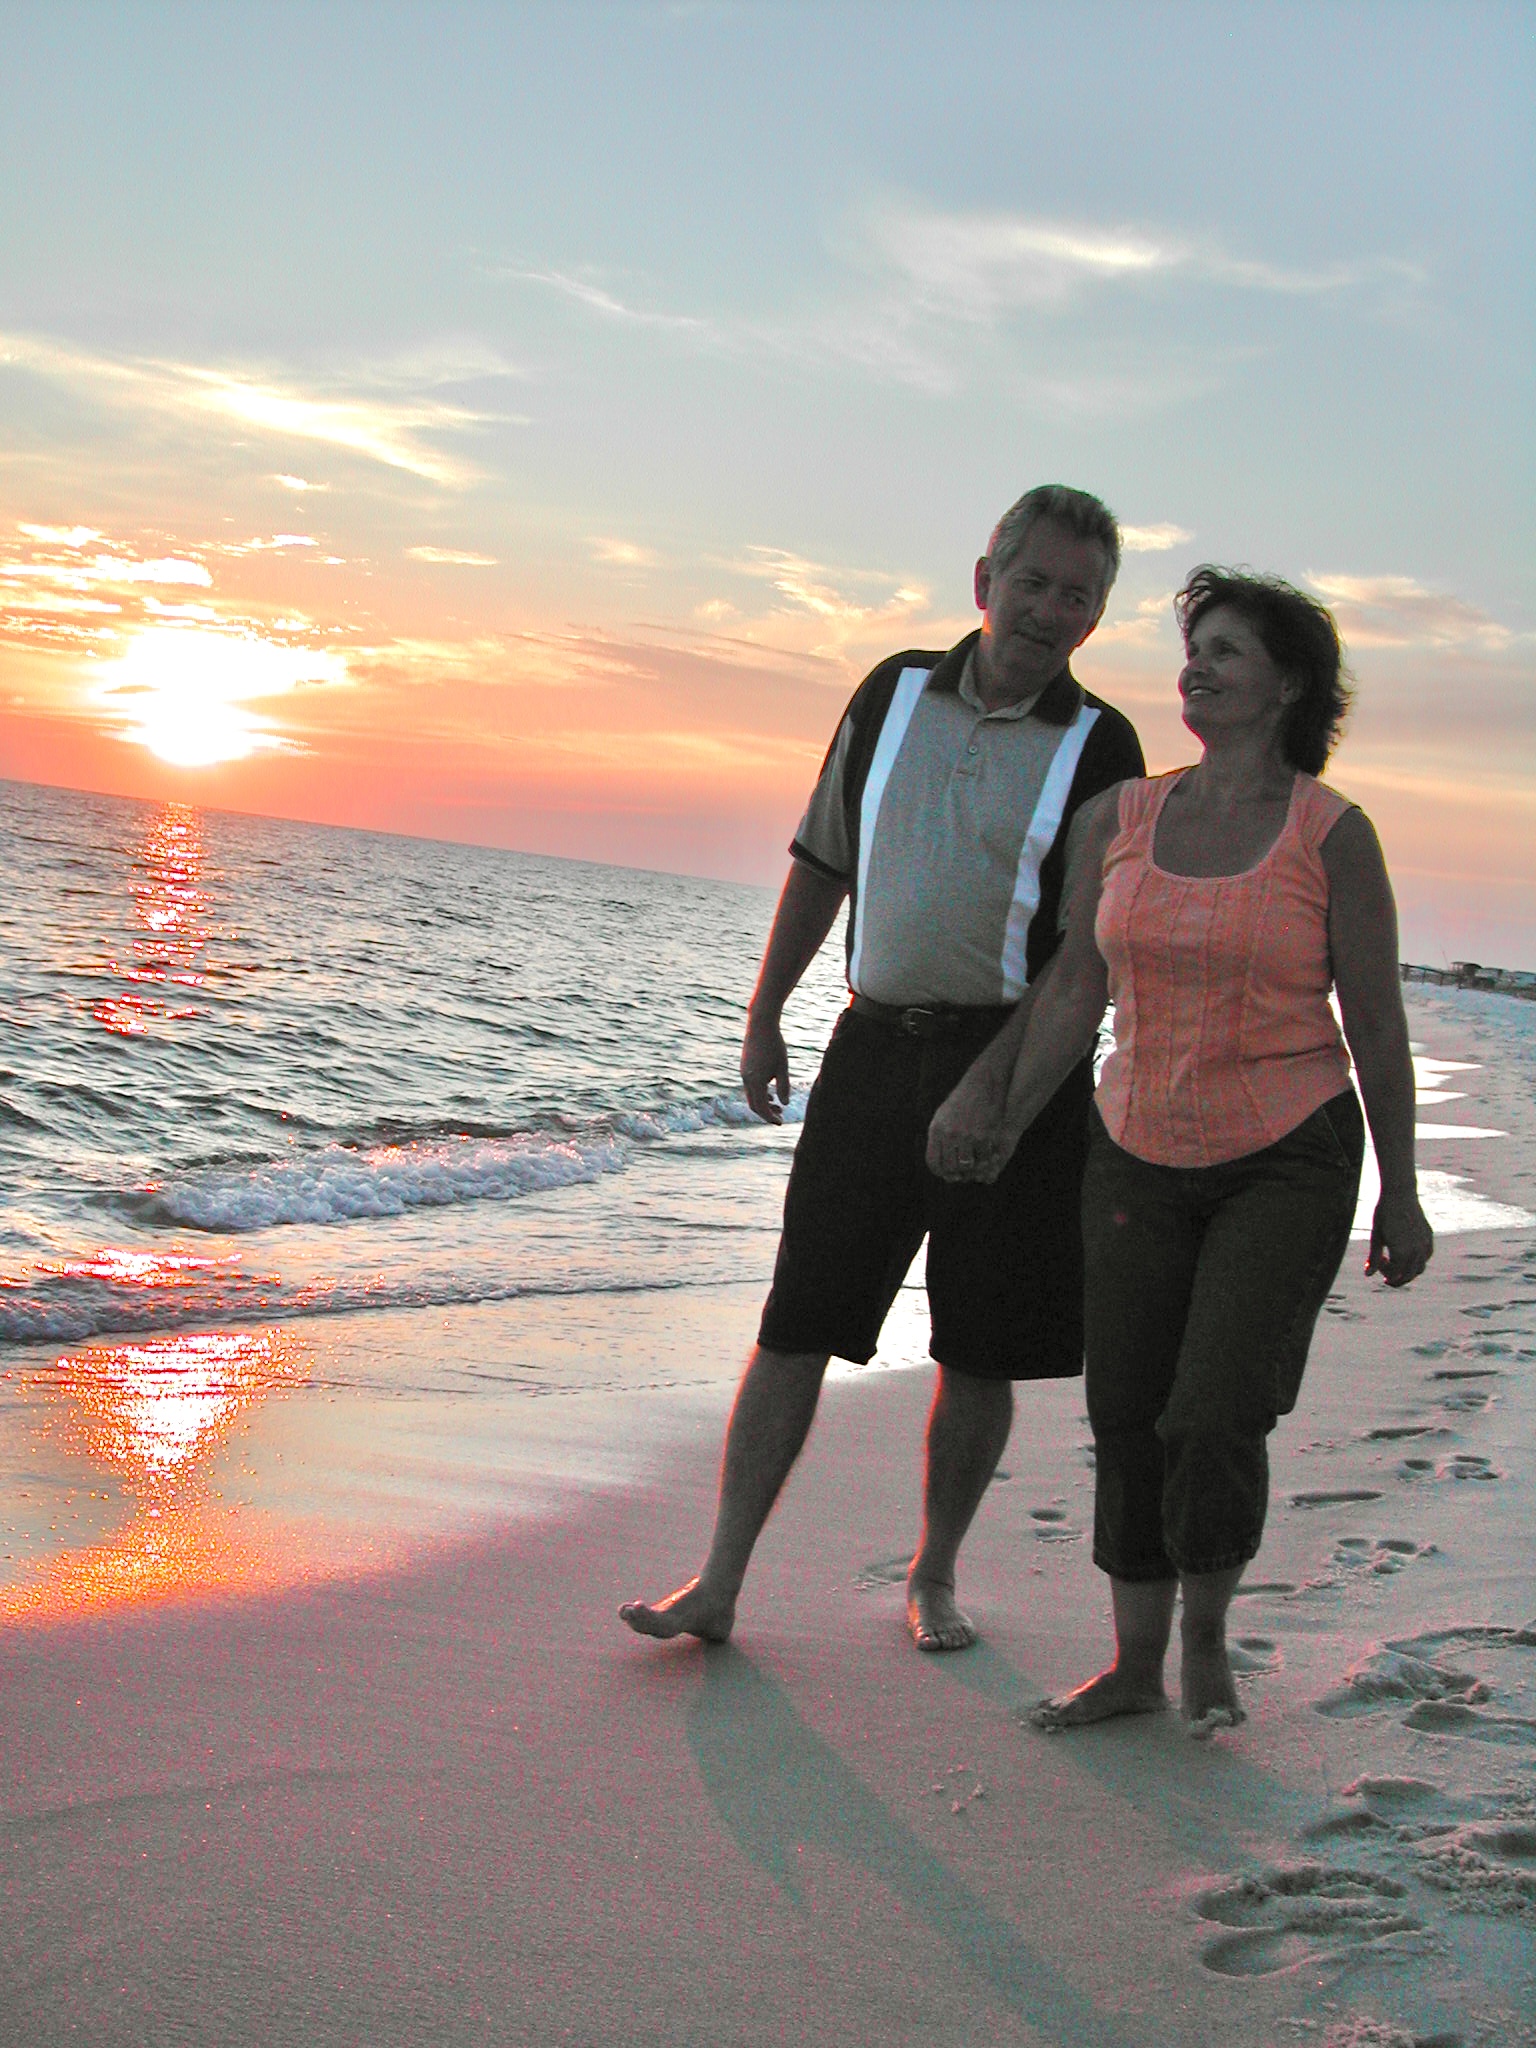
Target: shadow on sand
[[777, 1787]]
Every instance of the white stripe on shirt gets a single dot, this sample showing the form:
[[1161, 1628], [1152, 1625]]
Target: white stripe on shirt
[[1038, 841], [910, 685]]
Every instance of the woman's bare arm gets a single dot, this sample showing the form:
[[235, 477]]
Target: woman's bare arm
[[1362, 937]]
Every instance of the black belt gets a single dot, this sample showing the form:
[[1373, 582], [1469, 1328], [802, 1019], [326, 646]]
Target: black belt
[[931, 1020]]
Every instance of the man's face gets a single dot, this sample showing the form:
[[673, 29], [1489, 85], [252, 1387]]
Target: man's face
[[1038, 609]]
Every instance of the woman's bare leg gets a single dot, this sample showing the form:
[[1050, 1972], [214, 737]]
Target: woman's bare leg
[[1209, 1691], [1133, 1684]]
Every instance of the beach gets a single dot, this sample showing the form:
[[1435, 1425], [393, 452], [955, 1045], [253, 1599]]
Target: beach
[[327, 1454], [429, 1789]]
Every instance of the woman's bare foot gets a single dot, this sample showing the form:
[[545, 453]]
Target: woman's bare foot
[[693, 1610], [1112, 1692], [935, 1620], [1209, 1690]]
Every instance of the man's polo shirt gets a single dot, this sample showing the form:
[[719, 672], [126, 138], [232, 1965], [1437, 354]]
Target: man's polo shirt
[[949, 824]]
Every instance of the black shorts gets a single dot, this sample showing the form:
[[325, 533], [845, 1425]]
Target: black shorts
[[1005, 1262]]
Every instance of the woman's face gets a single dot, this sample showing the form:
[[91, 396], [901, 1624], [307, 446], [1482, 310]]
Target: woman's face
[[1229, 682]]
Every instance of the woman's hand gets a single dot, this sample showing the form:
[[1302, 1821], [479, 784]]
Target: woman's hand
[[1402, 1243], [965, 1138]]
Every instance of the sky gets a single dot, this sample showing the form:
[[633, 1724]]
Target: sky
[[526, 424]]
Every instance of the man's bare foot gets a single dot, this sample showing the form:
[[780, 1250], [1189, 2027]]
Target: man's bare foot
[[1209, 1691], [1112, 1692], [935, 1620], [692, 1610]]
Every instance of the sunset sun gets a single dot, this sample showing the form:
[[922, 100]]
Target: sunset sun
[[189, 693]]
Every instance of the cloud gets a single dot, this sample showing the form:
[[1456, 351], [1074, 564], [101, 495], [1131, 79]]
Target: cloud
[[623, 554], [78, 574], [452, 557], [60, 536], [979, 266], [1153, 540], [276, 542], [297, 483], [1147, 626], [379, 427], [1398, 611], [605, 303]]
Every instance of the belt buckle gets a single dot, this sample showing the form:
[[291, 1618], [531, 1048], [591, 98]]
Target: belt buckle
[[917, 1022]]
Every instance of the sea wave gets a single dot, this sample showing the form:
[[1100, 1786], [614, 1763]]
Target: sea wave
[[71, 1305], [342, 1183]]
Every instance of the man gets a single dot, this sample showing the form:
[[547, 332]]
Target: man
[[942, 814]]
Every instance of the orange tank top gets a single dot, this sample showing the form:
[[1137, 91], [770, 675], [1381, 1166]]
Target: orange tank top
[[1224, 1037]]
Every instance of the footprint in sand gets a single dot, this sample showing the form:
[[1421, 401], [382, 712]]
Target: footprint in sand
[[1302, 1914], [1455, 1717], [1392, 1675], [885, 1571], [1051, 1526], [1382, 1555], [1485, 1868], [1467, 1372], [1480, 1311], [1442, 1698], [1466, 1400], [1338, 1497], [1478, 1848], [1464, 1465], [1397, 1432], [1249, 1656]]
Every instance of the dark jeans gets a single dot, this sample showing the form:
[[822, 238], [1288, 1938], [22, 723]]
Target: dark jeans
[[1203, 1288]]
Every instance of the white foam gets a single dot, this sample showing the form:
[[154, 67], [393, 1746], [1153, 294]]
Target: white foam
[[342, 1183], [338, 1183]]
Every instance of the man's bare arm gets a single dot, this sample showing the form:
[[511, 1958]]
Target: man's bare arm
[[807, 911]]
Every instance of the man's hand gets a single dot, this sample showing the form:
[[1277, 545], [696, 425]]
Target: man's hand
[[765, 1068], [966, 1139], [1402, 1243]]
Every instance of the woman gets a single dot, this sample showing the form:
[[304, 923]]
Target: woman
[[1215, 906]]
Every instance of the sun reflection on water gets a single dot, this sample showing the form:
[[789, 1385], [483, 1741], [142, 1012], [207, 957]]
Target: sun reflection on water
[[168, 950], [154, 1416]]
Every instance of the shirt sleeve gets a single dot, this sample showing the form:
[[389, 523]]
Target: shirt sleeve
[[821, 839]]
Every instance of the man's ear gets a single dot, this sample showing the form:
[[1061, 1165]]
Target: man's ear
[[982, 584]]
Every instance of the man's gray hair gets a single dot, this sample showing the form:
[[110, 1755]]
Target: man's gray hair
[[1078, 511]]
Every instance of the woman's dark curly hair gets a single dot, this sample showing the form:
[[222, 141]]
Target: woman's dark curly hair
[[1298, 635]]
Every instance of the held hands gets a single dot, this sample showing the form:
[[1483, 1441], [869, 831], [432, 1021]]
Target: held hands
[[765, 1068], [1402, 1243], [966, 1139]]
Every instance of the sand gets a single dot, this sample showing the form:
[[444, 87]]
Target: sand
[[371, 1760]]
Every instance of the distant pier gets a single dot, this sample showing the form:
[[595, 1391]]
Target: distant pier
[[1504, 981]]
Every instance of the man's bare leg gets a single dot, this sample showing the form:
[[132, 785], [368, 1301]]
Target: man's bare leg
[[774, 1407], [1133, 1684], [968, 1426], [1209, 1691]]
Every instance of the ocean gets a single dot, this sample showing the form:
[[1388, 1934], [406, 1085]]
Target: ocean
[[256, 1071]]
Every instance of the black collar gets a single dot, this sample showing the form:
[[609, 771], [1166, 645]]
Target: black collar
[[1058, 703]]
